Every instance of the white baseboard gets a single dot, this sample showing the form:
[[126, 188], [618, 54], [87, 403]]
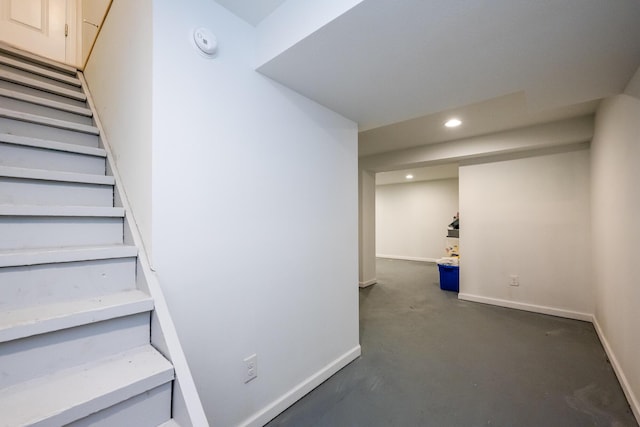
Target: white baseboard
[[622, 379], [587, 317], [368, 283], [407, 258], [265, 415]]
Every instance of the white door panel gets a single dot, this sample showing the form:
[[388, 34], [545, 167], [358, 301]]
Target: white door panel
[[37, 26]]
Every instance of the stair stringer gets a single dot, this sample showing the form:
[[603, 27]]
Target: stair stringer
[[187, 408]]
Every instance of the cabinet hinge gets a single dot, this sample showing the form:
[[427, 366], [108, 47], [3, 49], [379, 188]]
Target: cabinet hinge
[[66, 30]]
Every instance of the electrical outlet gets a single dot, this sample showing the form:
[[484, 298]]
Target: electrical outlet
[[251, 367], [514, 280]]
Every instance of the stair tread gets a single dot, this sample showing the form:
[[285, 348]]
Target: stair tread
[[47, 175], [47, 121], [37, 84], [51, 145], [64, 78], [75, 393], [66, 211], [38, 59], [43, 318], [45, 102], [35, 256]]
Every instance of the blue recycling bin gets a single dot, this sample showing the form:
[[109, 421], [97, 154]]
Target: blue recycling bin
[[449, 277]]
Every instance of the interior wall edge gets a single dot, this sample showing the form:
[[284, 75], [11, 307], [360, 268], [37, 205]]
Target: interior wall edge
[[552, 311], [568, 148], [633, 400], [368, 283], [407, 258]]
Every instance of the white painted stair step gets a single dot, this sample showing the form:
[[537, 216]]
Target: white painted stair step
[[40, 319], [32, 130], [20, 232], [39, 60], [23, 286], [45, 81], [54, 193], [46, 121], [40, 85], [30, 157], [70, 395], [14, 94], [40, 355], [38, 110], [41, 174], [25, 257], [39, 70], [52, 145], [64, 211], [22, 186], [148, 409]]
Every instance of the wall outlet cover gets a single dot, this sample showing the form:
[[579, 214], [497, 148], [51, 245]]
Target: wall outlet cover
[[251, 368], [514, 280]]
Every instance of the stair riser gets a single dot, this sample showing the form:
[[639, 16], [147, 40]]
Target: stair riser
[[42, 232], [149, 409], [20, 128], [44, 193], [52, 283], [53, 113], [33, 357], [38, 158], [40, 93]]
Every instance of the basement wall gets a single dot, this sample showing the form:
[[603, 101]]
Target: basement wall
[[119, 78], [528, 217], [367, 228], [255, 233], [615, 153], [412, 219]]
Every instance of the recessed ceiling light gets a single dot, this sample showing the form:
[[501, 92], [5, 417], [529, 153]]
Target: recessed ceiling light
[[453, 123], [409, 176]]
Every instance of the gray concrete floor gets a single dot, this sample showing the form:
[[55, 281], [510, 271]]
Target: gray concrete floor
[[429, 359]]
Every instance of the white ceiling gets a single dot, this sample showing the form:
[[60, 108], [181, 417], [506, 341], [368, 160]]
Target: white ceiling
[[252, 11], [495, 115], [398, 68]]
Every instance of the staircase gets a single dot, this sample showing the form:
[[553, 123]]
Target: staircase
[[74, 327]]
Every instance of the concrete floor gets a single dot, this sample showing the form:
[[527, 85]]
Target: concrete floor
[[429, 359]]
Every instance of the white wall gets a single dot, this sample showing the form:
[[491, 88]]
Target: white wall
[[255, 219], [93, 12], [528, 217], [367, 228], [119, 78], [616, 234], [412, 218]]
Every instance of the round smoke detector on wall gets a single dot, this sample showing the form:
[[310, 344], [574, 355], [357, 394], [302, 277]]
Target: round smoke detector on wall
[[205, 41]]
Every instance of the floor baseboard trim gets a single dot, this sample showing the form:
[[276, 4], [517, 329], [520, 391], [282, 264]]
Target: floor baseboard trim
[[407, 258], [622, 379], [265, 415], [527, 307], [368, 283]]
